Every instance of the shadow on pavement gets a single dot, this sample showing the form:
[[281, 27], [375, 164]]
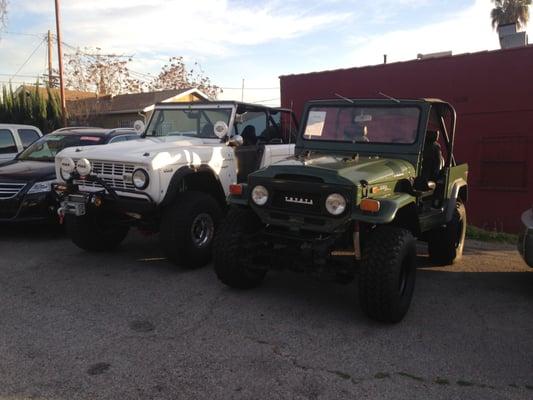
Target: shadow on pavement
[[31, 231]]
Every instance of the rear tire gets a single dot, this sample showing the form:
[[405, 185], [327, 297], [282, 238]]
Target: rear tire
[[188, 227], [387, 274], [446, 243], [93, 232], [228, 249]]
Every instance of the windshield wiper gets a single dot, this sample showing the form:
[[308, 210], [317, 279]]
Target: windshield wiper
[[344, 98], [389, 97]]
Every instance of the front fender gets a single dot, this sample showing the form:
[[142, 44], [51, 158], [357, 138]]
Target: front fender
[[175, 184], [242, 199], [454, 195], [388, 209]]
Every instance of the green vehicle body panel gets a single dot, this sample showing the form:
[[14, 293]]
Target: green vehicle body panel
[[364, 170]]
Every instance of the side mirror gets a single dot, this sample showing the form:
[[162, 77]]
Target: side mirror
[[236, 141]]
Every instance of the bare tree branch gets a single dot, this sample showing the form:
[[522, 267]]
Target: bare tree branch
[[3, 13]]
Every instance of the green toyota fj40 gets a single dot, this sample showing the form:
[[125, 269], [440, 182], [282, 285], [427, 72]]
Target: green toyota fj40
[[368, 178]]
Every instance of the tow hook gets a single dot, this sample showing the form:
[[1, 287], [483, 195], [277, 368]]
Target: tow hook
[[61, 215]]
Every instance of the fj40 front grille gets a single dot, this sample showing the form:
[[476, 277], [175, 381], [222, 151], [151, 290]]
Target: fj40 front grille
[[305, 203]]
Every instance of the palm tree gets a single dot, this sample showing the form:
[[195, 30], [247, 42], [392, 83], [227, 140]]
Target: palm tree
[[509, 12]]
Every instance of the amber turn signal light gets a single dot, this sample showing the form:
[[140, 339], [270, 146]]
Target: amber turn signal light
[[235, 189], [370, 205]]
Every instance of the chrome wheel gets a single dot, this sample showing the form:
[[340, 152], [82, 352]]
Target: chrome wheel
[[202, 230]]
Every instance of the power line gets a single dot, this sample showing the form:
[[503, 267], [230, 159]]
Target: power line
[[20, 75], [267, 100], [29, 58], [22, 33]]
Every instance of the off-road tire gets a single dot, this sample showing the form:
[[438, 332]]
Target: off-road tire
[[93, 232], [177, 224], [228, 249], [446, 243], [387, 274]]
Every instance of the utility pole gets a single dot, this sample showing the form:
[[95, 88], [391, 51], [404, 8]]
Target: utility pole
[[50, 74], [60, 61], [242, 90]]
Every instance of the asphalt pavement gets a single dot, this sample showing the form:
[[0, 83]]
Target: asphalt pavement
[[130, 325]]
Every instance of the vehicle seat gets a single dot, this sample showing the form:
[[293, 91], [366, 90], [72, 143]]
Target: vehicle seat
[[248, 135], [428, 185], [248, 155], [271, 135], [356, 133], [432, 159]]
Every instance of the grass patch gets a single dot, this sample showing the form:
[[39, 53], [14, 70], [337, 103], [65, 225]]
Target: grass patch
[[382, 375], [490, 236], [442, 381]]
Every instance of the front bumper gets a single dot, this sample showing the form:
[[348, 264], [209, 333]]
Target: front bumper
[[77, 202], [278, 248], [38, 207], [525, 241]]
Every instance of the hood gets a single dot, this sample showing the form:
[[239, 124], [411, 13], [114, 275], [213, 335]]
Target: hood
[[142, 150], [27, 171], [372, 170]]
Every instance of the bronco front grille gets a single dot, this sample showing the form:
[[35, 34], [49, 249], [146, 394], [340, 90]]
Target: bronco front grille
[[9, 190], [112, 173]]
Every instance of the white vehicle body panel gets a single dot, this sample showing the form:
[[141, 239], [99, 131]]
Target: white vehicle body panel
[[14, 128], [162, 157]]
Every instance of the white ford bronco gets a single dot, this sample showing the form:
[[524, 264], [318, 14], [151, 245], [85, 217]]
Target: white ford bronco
[[174, 179]]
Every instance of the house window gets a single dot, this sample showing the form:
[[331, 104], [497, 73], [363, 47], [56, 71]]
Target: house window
[[504, 163], [125, 123]]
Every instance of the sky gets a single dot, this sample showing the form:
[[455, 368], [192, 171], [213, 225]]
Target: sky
[[243, 39]]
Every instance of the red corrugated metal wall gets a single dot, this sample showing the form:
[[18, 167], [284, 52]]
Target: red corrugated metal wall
[[493, 95]]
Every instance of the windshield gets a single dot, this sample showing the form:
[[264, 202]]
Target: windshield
[[46, 148], [355, 124], [187, 122]]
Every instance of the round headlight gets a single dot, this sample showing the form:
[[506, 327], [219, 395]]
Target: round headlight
[[140, 179], [83, 166], [65, 175], [260, 195], [335, 204], [67, 165]]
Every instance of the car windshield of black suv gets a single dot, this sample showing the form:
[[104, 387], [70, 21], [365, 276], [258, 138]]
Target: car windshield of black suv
[[46, 148], [363, 124], [191, 122]]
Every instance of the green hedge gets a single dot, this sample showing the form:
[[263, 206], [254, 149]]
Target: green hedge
[[30, 106]]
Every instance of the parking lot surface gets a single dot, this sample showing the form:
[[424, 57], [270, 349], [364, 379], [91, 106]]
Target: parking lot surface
[[128, 325]]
